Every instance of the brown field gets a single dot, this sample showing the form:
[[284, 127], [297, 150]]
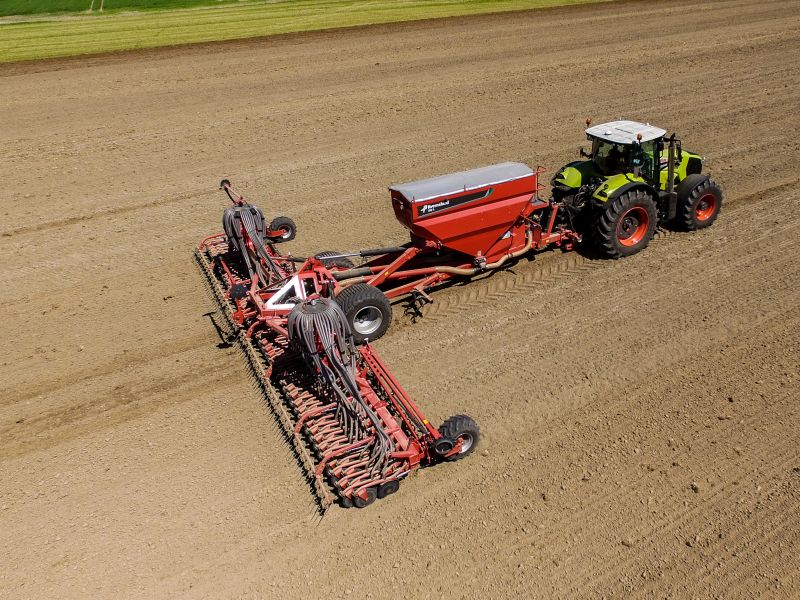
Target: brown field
[[136, 459]]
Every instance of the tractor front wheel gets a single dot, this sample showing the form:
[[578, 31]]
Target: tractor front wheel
[[699, 202], [626, 225], [367, 309]]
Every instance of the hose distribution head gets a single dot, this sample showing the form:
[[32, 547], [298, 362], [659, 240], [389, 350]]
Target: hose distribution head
[[318, 329], [319, 325]]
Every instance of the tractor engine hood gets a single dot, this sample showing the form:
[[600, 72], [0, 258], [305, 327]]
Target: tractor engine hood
[[574, 175]]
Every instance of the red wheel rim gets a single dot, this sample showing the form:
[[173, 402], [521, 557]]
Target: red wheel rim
[[706, 207], [632, 226]]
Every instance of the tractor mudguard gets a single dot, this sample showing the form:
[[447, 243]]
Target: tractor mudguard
[[690, 164], [615, 185], [685, 187]]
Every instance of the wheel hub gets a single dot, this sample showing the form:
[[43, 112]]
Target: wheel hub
[[367, 320], [629, 225], [705, 207]]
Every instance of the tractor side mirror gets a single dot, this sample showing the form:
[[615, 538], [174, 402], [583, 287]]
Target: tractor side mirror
[[583, 153]]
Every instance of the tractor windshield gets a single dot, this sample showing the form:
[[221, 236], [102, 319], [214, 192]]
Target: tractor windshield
[[611, 159]]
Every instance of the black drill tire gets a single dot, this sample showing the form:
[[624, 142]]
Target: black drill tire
[[354, 299], [286, 224], [372, 495], [388, 488], [606, 229], [342, 262], [461, 426], [691, 191]]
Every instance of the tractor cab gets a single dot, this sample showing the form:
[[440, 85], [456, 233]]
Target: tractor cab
[[626, 147], [624, 152]]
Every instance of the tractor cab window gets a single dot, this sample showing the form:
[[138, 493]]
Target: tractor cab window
[[609, 158], [643, 158], [612, 159]]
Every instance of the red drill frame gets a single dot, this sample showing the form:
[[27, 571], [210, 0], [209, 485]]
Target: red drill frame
[[258, 311], [513, 221], [507, 220], [461, 225]]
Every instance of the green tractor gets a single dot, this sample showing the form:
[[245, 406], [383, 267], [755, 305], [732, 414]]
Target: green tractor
[[633, 180]]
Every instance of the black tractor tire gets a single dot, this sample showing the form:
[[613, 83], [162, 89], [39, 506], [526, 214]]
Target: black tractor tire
[[625, 225], [367, 309], [341, 262], [360, 502], [286, 226], [464, 428], [699, 202]]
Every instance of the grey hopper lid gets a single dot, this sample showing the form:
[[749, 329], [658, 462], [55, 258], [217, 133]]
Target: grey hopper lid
[[445, 185]]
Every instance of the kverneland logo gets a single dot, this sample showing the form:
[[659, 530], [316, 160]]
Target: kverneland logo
[[429, 208]]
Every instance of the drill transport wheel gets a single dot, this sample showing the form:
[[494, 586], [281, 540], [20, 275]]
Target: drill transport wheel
[[286, 227], [459, 428], [341, 262], [367, 309]]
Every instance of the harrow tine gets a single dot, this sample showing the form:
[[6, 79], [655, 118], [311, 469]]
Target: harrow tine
[[352, 429], [269, 396]]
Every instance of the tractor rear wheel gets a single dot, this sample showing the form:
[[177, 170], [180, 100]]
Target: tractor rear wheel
[[626, 225], [342, 262], [461, 428], [699, 202], [367, 309]]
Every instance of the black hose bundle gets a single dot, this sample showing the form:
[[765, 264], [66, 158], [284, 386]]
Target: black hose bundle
[[232, 218], [318, 329], [250, 219]]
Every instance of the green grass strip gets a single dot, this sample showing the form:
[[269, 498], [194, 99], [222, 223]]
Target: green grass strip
[[47, 37], [38, 7]]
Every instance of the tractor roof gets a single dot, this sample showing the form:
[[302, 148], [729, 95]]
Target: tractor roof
[[625, 132]]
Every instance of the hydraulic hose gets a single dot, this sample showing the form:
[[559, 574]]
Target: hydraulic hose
[[491, 266], [351, 273], [319, 330], [252, 221], [360, 275]]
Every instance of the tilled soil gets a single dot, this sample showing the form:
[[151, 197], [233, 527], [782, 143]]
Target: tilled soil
[[640, 417]]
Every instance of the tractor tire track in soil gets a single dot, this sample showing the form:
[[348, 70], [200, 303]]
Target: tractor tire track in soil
[[550, 265], [639, 417]]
